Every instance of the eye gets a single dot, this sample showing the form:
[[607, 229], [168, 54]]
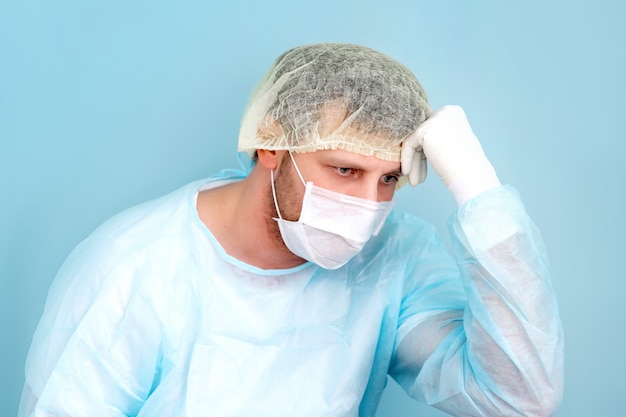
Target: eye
[[345, 172], [389, 179]]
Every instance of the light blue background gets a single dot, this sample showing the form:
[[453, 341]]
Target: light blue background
[[104, 104]]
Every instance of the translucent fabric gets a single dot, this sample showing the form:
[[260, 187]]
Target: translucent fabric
[[150, 317], [334, 96]]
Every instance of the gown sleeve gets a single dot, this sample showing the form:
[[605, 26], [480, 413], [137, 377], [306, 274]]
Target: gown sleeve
[[482, 336], [95, 351]]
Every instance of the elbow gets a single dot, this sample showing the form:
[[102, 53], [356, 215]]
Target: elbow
[[540, 384], [537, 396], [552, 396], [548, 392], [545, 400], [545, 406]]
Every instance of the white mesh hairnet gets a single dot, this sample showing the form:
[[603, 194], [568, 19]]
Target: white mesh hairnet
[[334, 96]]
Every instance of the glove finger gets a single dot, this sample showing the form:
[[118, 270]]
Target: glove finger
[[418, 169], [406, 158], [423, 168], [411, 146]]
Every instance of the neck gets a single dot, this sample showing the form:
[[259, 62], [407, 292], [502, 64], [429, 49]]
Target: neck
[[239, 215]]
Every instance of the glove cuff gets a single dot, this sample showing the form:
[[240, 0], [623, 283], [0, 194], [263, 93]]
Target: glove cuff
[[466, 187]]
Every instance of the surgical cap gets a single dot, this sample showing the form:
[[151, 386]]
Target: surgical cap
[[334, 96]]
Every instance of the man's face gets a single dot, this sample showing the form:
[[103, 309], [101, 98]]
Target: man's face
[[341, 171]]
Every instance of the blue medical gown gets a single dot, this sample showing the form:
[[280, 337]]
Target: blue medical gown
[[150, 317]]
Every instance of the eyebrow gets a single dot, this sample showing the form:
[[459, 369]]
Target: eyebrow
[[333, 160]]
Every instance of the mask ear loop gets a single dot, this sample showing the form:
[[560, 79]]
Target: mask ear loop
[[274, 188], [296, 167]]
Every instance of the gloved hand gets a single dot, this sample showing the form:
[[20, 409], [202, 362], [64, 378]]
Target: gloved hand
[[448, 142]]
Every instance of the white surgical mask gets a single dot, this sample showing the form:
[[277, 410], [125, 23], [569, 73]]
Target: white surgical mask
[[332, 227]]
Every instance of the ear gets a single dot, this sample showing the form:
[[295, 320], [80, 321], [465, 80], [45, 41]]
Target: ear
[[267, 131], [269, 159]]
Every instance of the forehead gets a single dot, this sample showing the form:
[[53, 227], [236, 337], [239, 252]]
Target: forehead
[[347, 159]]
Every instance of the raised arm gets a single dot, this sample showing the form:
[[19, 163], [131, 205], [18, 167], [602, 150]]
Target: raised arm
[[502, 354]]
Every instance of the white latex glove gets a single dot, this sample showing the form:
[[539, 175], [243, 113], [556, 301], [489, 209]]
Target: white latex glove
[[446, 139]]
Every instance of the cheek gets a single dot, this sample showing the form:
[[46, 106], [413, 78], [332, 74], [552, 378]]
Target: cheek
[[289, 205], [289, 199], [386, 192]]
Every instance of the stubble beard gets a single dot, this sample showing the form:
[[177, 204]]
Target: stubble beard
[[288, 202]]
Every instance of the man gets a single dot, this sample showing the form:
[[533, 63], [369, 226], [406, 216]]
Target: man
[[294, 289]]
